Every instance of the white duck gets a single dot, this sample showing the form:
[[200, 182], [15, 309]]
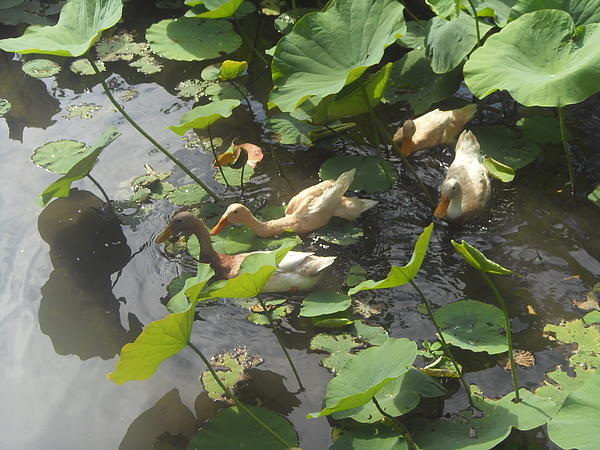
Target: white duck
[[466, 189], [297, 270], [310, 209]]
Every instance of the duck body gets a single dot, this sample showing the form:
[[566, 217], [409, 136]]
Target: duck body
[[466, 189], [434, 128], [310, 209], [296, 271]]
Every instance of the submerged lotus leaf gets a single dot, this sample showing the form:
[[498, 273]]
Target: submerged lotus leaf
[[540, 59], [492, 424], [583, 12], [327, 50], [449, 42], [339, 346], [229, 424], [60, 156], [190, 39], [79, 26], [204, 116], [396, 398], [41, 68], [340, 232], [473, 325], [5, 106], [324, 302], [370, 176], [577, 423], [358, 380], [399, 276]]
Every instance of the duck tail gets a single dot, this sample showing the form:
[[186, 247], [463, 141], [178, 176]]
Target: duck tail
[[464, 114], [350, 208]]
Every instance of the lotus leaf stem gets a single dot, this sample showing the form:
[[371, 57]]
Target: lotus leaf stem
[[511, 355], [214, 152], [108, 200], [245, 38], [147, 136], [476, 23], [409, 12], [409, 440], [237, 402], [278, 336], [563, 134]]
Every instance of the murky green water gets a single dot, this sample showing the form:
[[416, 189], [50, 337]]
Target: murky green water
[[74, 291]]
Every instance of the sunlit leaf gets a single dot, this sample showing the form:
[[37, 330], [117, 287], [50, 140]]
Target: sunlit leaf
[[473, 325], [41, 68], [586, 337], [214, 9], [541, 129], [83, 67], [496, 9], [371, 437], [190, 194], [446, 9], [540, 59], [478, 260], [584, 12], [204, 116], [316, 58], [499, 171], [79, 26], [217, 432], [191, 39], [232, 69], [370, 176], [358, 382], [60, 156], [230, 371], [401, 275], [234, 176], [505, 146], [339, 346], [324, 302]]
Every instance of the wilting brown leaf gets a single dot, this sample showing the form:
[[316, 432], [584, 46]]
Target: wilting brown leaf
[[522, 358]]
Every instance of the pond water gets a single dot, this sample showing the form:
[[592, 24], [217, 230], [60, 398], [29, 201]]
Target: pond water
[[76, 288]]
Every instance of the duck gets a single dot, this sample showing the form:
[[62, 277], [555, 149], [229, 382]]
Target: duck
[[466, 189], [310, 209], [296, 271], [434, 128]]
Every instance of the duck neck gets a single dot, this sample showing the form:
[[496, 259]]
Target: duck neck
[[271, 227], [207, 251], [455, 206]]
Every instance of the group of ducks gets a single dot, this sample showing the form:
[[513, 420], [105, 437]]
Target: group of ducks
[[464, 194]]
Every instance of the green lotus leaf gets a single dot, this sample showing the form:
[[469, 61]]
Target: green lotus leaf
[[594, 196], [328, 50], [324, 302], [234, 176], [41, 68], [446, 9], [492, 424], [215, 9], [478, 260], [5, 106], [341, 347], [226, 428], [498, 10], [333, 320], [401, 275], [499, 171], [83, 67], [586, 337], [79, 26], [583, 12], [541, 129], [364, 375], [370, 176], [371, 437], [340, 232], [290, 130], [354, 99], [191, 39], [473, 325], [540, 59], [190, 194], [204, 116], [505, 146], [232, 69], [559, 384], [62, 186], [449, 42], [60, 156]]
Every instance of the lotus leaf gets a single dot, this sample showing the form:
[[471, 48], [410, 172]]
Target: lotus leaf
[[478, 260], [583, 12], [290, 130], [370, 176], [79, 26], [541, 129], [232, 69], [473, 326], [446, 9], [505, 146], [225, 428], [215, 9], [498, 10], [41, 68], [339, 345], [324, 302], [191, 39], [363, 376], [190, 194], [371, 437], [586, 337], [204, 116], [541, 59], [449, 42], [577, 424], [60, 156], [328, 50], [334, 320]]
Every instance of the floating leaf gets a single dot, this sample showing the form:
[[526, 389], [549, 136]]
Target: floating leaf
[[229, 372], [333, 320], [83, 110], [373, 335], [204, 116], [120, 48], [356, 275], [217, 433], [586, 337], [499, 171], [358, 382], [324, 302], [401, 275], [190, 194], [473, 325], [339, 345], [315, 59], [60, 156], [232, 69], [340, 232], [243, 239], [540, 59], [560, 384], [371, 437], [478, 260], [235, 177], [370, 176], [594, 196], [79, 26], [5, 106], [504, 145], [191, 39], [541, 129], [83, 67], [41, 68], [147, 65]]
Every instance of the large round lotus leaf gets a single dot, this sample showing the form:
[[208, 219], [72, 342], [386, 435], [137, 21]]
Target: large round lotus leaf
[[79, 26], [369, 177], [60, 156], [190, 194], [234, 428], [473, 326], [191, 39], [41, 68], [540, 59], [327, 50], [583, 12], [504, 145], [449, 42]]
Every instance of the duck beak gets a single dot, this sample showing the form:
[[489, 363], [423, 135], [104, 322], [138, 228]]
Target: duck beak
[[406, 147], [166, 234], [220, 226], [440, 211]]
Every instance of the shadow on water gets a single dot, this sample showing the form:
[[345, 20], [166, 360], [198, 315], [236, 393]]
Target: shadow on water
[[78, 310]]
